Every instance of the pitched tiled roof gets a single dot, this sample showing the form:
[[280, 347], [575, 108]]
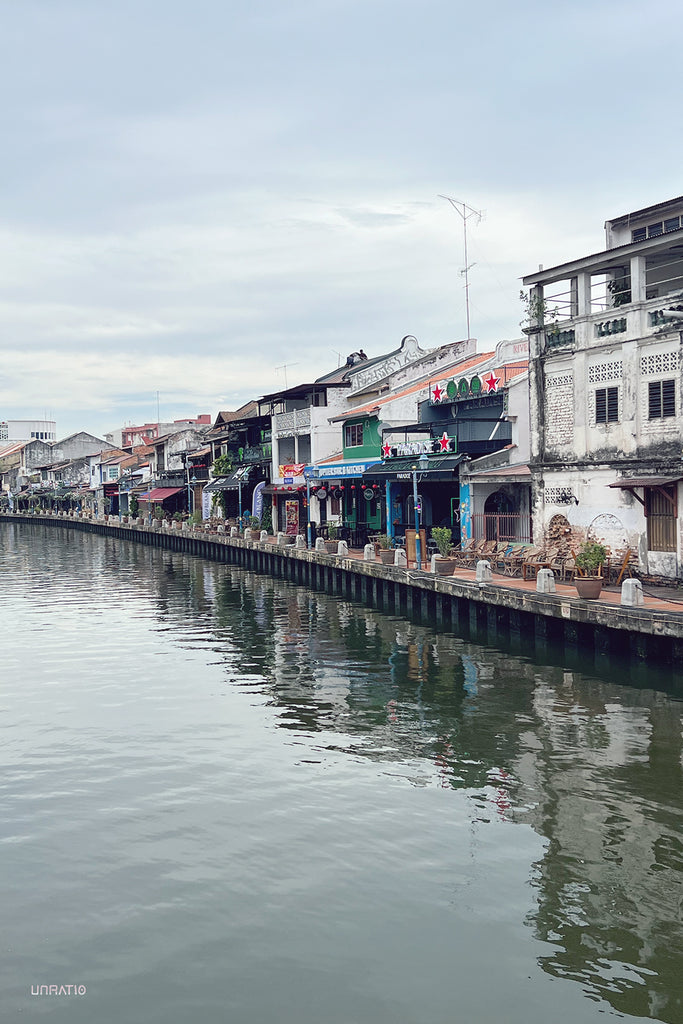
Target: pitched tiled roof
[[248, 411], [12, 448]]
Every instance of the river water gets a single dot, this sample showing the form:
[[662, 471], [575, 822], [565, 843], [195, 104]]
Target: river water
[[226, 798]]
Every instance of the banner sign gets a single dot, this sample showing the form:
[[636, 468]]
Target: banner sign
[[294, 470], [291, 518], [257, 500]]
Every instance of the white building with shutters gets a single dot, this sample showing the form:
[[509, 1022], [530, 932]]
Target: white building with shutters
[[606, 378]]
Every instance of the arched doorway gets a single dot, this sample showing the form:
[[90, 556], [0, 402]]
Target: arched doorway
[[500, 517]]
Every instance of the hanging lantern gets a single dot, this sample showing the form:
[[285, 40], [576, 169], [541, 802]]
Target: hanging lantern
[[362, 487], [353, 487]]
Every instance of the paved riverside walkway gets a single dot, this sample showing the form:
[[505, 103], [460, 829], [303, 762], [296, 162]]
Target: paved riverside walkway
[[610, 595]]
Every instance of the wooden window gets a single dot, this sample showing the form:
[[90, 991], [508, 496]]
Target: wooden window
[[661, 399], [661, 512], [353, 435], [607, 405]]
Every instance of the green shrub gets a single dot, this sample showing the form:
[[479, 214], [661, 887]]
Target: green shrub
[[590, 558], [442, 536], [267, 519]]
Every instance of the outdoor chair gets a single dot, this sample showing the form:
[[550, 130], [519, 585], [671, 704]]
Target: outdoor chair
[[543, 560], [462, 554], [511, 561], [530, 557]]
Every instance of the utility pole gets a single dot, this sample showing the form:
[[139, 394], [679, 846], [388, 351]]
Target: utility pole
[[465, 212]]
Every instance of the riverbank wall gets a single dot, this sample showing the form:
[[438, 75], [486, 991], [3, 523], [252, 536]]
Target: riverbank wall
[[494, 612]]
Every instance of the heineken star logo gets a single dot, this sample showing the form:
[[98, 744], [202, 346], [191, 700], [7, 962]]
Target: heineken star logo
[[491, 382]]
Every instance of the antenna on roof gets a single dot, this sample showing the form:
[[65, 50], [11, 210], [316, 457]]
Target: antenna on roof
[[465, 212], [338, 355], [284, 368]]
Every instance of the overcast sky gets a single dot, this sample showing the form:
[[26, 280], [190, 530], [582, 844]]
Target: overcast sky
[[197, 193]]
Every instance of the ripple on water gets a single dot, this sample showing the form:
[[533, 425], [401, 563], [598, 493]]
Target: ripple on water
[[225, 796]]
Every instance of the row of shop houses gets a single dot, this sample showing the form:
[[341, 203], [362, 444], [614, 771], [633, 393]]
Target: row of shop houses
[[574, 429]]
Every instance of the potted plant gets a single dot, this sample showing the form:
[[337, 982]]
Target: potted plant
[[589, 561], [254, 525], [331, 542], [443, 565], [386, 551]]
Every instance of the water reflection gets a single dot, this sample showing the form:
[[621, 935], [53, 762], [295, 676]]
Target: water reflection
[[593, 767]]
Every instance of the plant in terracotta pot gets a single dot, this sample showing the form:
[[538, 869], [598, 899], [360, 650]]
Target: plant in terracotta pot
[[386, 552], [443, 565], [589, 561]]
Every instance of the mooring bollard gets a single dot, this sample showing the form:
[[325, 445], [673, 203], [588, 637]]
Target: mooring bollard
[[342, 549], [545, 581], [632, 594], [369, 553], [234, 532], [320, 544], [300, 542], [263, 536], [401, 558], [484, 573]]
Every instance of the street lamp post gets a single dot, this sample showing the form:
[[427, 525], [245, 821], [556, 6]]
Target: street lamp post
[[190, 508], [422, 461], [309, 532], [193, 481]]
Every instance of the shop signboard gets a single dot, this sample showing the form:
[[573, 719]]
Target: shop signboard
[[431, 446], [460, 388]]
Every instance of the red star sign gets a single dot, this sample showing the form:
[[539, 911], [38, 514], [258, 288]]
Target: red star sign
[[437, 393], [445, 442], [386, 451], [491, 382]]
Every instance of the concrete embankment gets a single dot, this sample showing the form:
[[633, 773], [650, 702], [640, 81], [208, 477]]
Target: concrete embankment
[[601, 631]]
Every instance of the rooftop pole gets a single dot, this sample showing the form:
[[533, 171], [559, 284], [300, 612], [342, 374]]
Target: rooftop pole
[[465, 212]]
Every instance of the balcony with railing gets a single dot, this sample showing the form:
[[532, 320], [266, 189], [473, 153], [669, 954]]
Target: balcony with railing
[[290, 424], [610, 295]]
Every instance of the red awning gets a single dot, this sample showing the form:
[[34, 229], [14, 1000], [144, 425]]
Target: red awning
[[161, 493]]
